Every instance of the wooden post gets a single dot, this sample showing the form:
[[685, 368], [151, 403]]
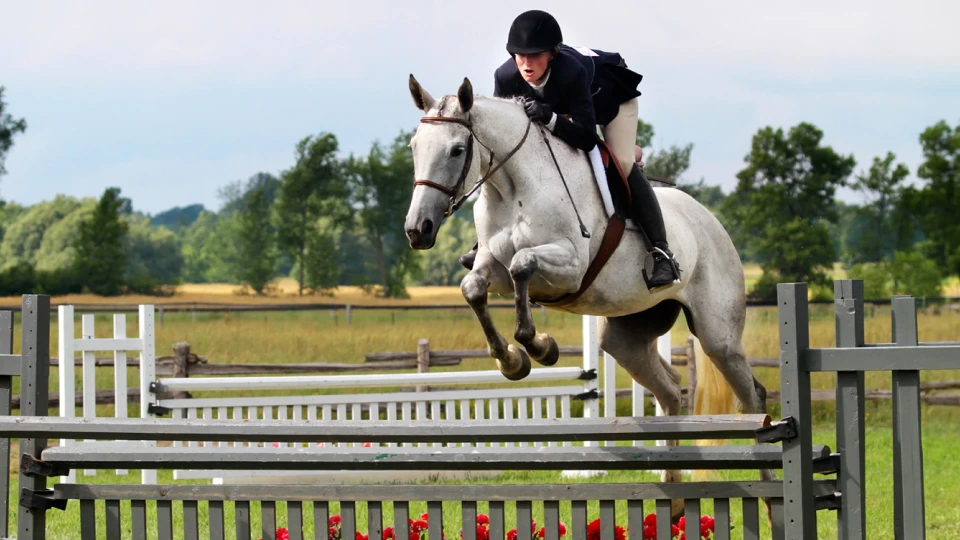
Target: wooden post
[[543, 315], [691, 373], [181, 350], [423, 360], [161, 316], [349, 314]]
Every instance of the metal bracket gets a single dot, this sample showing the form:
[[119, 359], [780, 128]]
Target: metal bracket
[[41, 499], [783, 430], [828, 502], [588, 375], [157, 387], [591, 394], [158, 410], [31, 466], [827, 464]]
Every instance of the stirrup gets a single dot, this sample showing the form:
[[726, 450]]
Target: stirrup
[[649, 265]]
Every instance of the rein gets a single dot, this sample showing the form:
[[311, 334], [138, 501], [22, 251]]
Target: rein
[[454, 204]]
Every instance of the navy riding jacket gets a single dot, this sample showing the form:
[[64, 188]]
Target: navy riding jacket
[[583, 90]]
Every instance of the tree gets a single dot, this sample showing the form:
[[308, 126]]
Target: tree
[[382, 188], [256, 242], [882, 185], [314, 187], [671, 163], [25, 235], [154, 257], [938, 202], [783, 203], [101, 260], [9, 126]]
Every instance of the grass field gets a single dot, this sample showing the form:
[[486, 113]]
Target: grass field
[[291, 337]]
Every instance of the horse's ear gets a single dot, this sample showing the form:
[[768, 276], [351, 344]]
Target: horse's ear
[[421, 98], [465, 95]]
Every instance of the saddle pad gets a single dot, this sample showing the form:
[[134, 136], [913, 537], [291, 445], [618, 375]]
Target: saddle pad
[[600, 177]]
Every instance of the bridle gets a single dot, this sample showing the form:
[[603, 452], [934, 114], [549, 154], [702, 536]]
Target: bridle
[[454, 203]]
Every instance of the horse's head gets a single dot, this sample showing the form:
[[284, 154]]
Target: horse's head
[[443, 158]]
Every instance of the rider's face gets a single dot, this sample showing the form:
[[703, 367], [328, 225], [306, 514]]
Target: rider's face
[[533, 66]]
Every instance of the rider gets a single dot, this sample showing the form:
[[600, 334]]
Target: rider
[[572, 90]]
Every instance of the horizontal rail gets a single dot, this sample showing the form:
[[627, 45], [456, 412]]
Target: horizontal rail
[[381, 398], [355, 381], [894, 358], [395, 492], [127, 456], [107, 344], [199, 307], [570, 429]]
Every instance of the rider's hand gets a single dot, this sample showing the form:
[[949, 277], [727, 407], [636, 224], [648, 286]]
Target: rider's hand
[[537, 111]]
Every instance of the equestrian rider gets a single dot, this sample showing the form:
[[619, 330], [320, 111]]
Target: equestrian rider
[[571, 91]]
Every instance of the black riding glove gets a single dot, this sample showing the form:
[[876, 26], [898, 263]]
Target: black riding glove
[[537, 111]]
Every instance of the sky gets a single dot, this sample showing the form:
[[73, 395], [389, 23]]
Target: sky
[[173, 100]]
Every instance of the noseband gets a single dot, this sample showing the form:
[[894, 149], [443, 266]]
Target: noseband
[[454, 204]]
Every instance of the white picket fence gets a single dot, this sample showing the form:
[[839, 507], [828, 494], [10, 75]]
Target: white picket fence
[[510, 405]]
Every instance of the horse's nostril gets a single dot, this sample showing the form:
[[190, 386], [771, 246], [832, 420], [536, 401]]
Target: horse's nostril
[[426, 228]]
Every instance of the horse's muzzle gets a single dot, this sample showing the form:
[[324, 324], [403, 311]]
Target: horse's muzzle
[[423, 236]]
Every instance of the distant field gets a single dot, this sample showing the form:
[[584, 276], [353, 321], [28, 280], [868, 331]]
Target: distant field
[[285, 292]]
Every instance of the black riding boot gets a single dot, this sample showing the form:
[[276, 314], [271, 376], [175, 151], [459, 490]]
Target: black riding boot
[[467, 258], [645, 211]]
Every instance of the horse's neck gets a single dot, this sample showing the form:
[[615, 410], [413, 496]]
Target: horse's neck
[[531, 175], [500, 125]]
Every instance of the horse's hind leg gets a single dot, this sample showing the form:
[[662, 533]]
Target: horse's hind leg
[[721, 337], [551, 262], [512, 362], [633, 343]]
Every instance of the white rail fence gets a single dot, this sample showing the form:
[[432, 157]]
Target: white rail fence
[[510, 405]]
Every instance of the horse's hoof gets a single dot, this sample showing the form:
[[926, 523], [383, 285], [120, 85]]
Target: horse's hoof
[[552, 355], [519, 357]]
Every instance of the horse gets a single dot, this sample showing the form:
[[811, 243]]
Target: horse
[[532, 245]]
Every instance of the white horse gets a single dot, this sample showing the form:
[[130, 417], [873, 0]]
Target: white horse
[[531, 245]]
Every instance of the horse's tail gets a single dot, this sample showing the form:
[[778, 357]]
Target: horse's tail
[[713, 395]]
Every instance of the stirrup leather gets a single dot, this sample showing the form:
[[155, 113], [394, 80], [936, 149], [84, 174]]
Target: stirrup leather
[[650, 260]]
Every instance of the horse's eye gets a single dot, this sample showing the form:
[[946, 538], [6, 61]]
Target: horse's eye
[[457, 151]]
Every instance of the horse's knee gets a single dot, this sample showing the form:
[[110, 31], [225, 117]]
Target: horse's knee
[[474, 288], [523, 265]]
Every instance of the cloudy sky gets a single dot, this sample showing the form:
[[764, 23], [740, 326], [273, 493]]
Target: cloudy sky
[[172, 100]]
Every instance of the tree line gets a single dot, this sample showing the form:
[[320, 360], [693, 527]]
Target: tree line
[[329, 220]]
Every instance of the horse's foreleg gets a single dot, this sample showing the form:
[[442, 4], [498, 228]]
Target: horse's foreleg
[[512, 362], [553, 263]]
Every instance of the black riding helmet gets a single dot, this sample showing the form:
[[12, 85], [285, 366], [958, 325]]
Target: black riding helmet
[[534, 32]]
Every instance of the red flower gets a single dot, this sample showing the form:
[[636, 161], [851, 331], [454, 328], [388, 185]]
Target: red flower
[[593, 530], [674, 531], [362, 536], [563, 529], [423, 516], [282, 534], [650, 520], [483, 519], [388, 534], [649, 532], [419, 525], [682, 524], [334, 520], [512, 534]]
